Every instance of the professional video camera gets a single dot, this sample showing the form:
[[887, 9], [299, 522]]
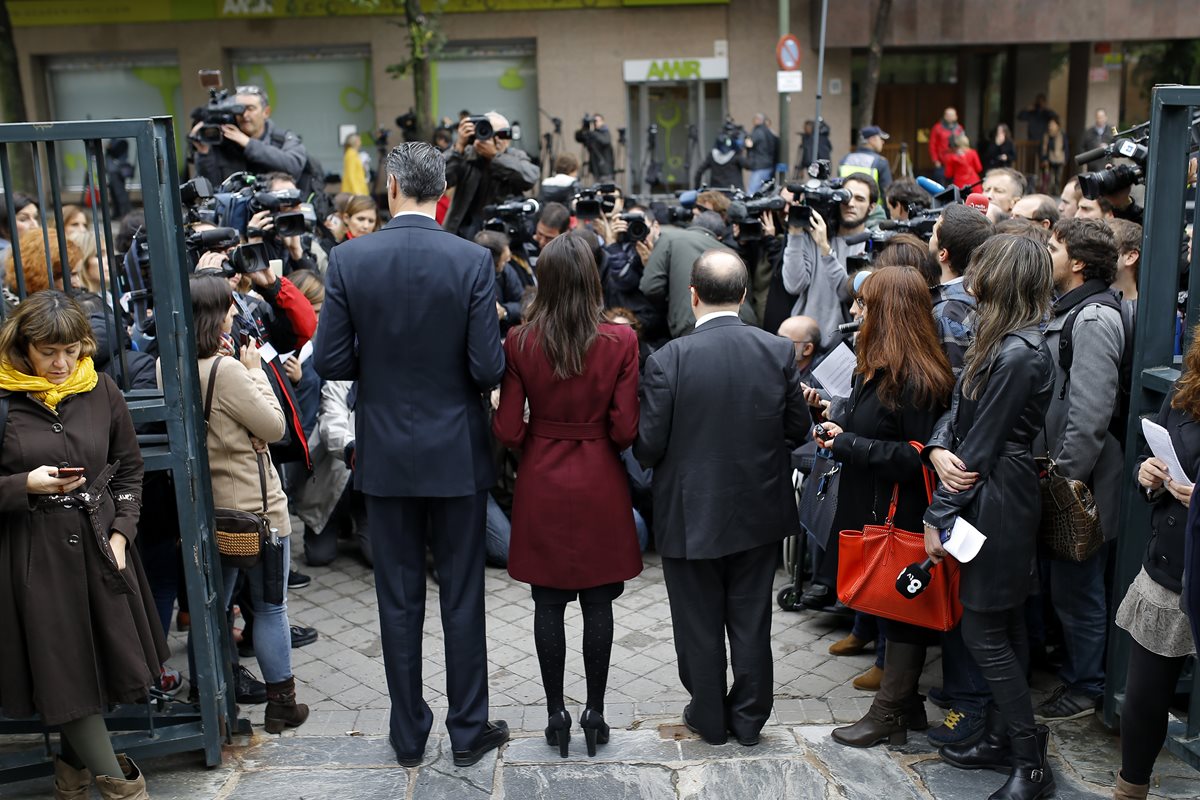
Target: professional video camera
[[241, 196], [920, 225], [819, 194], [592, 201], [221, 110], [734, 131], [513, 217], [746, 212], [1116, 177]]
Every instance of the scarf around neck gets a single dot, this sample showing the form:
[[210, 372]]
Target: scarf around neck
[[83, 379]]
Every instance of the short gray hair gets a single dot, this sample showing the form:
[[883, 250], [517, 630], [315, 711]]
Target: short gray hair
[[419, 170]]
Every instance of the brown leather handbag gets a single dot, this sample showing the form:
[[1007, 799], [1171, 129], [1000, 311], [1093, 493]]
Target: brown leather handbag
[[1070, 525]]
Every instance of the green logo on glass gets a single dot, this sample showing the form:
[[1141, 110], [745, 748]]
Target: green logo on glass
[[673, 70]]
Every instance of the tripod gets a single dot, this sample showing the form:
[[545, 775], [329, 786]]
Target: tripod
[[651, 167]]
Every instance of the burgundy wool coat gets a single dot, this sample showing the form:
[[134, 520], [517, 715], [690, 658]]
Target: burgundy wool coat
[[572, 518]]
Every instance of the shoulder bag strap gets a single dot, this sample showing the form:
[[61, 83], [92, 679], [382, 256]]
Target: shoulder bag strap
[[925, 474], [262, 481], [212, 385]]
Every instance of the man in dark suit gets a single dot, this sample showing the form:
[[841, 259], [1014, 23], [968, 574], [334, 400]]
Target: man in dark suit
[[717, 408], [410, 313]]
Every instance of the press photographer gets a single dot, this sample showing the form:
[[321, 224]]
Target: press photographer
[[286, 225], [725, 162], [636, 233], [594, 135], [483, 170], [237, 135], [824, 223], [753, 223]]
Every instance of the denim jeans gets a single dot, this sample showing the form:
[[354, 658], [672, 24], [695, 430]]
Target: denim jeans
[[757, 178], [962, 681], [1077, 594], [643, 530], [272, 633], [498, 534]]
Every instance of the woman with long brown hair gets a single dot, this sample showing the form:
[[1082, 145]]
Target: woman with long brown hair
[[901, 388], [1152, 611], [982, 452], [572, 523]]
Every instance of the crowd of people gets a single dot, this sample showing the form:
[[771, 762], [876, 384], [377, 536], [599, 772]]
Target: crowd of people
[[553, 388]]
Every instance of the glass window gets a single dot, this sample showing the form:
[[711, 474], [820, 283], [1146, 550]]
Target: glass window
[[86, 88], [501, 82], [314, 96]]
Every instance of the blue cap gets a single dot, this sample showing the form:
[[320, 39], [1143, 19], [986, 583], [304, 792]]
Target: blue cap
[[873, 130]]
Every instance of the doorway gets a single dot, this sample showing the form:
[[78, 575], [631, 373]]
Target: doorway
[[670, 125]]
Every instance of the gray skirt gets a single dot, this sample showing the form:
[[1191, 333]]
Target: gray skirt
[[1152, 615]]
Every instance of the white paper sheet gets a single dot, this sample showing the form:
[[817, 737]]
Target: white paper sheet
[[1160, 445], [836, 371], [965, 541]]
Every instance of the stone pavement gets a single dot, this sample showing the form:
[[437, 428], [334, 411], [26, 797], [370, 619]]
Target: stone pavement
[[343, 751]]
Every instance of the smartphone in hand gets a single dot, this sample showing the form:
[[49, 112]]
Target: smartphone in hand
[[70, 472]]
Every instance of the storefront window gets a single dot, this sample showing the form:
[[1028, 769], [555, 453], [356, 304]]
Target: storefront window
[[313, 96], [85, 88]]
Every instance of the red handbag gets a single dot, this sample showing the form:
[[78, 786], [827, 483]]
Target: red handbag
[[870, 561]]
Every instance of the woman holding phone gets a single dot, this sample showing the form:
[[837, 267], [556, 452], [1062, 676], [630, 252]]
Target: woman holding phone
[[75, 607]]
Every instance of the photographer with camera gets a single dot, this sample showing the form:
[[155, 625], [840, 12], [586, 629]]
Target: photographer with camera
[[253, 144], [595, 136], [725, 162], [814, 262], [285, 229], [762, 153], [636, 233], [483, 170]]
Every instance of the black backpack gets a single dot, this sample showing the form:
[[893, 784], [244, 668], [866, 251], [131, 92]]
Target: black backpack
[[1066, 356]]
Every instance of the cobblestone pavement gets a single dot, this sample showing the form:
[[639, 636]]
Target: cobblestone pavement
[[343, 752]]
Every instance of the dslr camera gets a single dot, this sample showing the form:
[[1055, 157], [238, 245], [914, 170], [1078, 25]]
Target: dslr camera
[[592, 201], [221, 109], [820, 194], [637, 228], [484, 129]]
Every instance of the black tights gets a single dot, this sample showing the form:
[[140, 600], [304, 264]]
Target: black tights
[[1000, 646], [549, 636], [1148, 693]]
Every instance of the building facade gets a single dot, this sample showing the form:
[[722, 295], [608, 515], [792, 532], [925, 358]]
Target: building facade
[[680, 66]]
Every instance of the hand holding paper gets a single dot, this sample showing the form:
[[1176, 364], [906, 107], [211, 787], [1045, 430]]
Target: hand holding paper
[[1159, 440]]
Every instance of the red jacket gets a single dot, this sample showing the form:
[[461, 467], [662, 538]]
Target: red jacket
[[572, 517], [962, 169], [939, 140]]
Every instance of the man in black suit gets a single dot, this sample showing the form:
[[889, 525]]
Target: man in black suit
[[410, 313], [717, 408]]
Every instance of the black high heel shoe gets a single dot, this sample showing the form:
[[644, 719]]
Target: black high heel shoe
[[595, 729], [558, 732]]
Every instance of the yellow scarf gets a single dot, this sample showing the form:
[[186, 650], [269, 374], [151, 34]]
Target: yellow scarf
[[83, 379]]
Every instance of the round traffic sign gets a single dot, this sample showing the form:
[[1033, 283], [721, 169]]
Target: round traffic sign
[[787, 52]]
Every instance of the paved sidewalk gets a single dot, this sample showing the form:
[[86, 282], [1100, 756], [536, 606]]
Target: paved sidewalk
[[343, 752]]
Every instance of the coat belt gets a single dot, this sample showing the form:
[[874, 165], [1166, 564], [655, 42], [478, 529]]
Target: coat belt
[[569, 431]]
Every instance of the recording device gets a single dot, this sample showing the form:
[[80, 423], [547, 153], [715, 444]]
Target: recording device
[[820, 194], [70, 472], [588, 121], [746, 212], [852, 326], [484, 129], [1116, 177], [512, 218], [637, 229], [221, 110], [214, 239], [195, 191], [592, 201], [914, 579], [407, 123]]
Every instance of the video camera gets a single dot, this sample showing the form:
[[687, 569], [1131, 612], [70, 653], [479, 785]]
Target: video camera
[[820, 194], [592, 201], [221, 110], [1114, 178], [512, 217], [746, 212]]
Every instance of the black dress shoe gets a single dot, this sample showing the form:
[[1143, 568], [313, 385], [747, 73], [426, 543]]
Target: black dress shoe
[[247, 689], [494, 734], [747, 741], [818, 597], [687, 722], [408, 761], [302, 636]]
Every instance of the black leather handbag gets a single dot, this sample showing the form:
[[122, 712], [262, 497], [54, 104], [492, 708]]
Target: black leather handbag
[[818, 497]]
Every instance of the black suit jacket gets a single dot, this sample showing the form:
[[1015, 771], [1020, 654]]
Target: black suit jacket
[[410, 313], [718, 405]]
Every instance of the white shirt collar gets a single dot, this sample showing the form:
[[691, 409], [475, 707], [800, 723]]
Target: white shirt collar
[[714, 315], [959, 279], [414, 213]]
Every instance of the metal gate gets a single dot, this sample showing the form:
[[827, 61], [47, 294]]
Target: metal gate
[[177, 442], [1155, 368]]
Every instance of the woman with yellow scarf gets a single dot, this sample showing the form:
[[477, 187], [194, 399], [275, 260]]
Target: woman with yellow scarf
[[73, 595]]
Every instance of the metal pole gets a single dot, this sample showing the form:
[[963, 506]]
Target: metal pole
[[820, 80], [781, 160]]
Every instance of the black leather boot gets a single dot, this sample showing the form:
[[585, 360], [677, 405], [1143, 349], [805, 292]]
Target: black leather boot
[[892, 713], [990, 751], [1030, 778]]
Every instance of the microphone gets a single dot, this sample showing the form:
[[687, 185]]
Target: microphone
[[979, 201], [933, 187], [1092, 155], [852, 326], [914, 579], [857, 238]]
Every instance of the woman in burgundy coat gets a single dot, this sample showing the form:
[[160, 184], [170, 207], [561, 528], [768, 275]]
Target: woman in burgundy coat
[[572, 523]]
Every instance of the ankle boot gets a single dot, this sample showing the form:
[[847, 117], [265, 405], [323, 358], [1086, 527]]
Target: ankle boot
[[990, 751], [891, 711], [132, 787], [282, 709], [71, 783], [1125, 790], [1031, 777]]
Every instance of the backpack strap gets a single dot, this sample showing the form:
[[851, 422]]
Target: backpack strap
[[212, 385], [1066, 340]]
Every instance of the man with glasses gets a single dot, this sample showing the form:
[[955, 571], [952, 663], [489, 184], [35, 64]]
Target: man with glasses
[[254, 145], [1038, 208], [805, 334]]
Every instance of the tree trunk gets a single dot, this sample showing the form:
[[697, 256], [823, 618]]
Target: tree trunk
[[419, 46], [12, 101], [874, 59]]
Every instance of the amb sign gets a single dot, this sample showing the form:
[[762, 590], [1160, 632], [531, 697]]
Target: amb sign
[[675, 69]]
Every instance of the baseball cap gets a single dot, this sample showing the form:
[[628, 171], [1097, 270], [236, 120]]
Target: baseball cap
[[873, 130]]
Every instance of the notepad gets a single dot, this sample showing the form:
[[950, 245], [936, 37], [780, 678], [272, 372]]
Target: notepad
[[1160, 445]]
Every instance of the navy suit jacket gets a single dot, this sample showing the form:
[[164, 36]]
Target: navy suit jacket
[[410, 313]]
